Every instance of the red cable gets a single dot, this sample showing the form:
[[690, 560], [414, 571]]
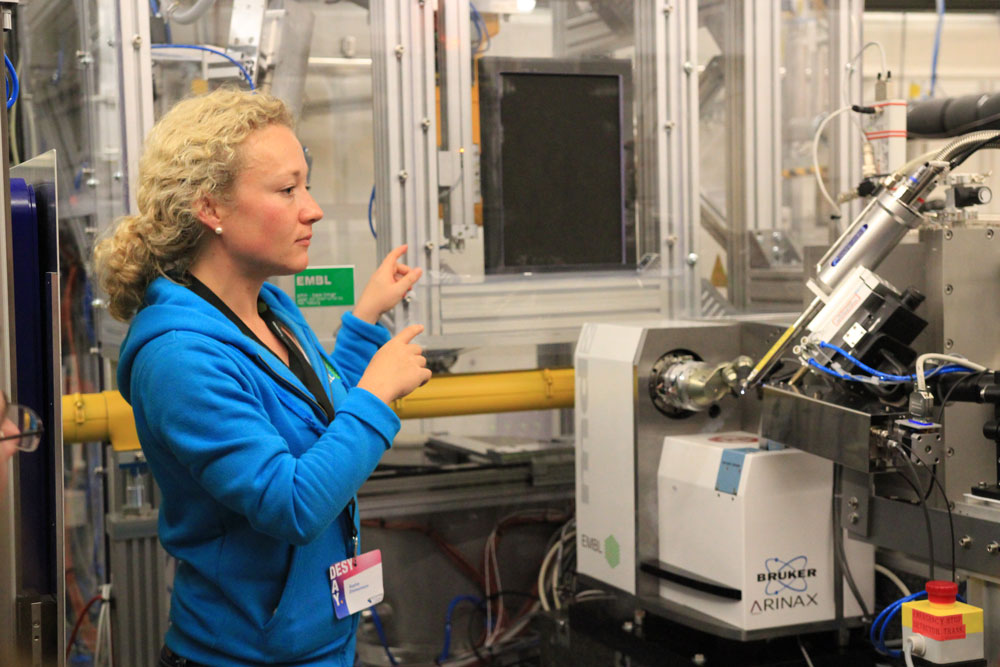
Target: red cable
[[452, 552], [79, 620]]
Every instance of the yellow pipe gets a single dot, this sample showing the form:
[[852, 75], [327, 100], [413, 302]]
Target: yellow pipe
[[104, 416], [477, 393]]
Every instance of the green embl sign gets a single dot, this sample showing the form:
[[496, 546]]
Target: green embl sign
[[325, 286]]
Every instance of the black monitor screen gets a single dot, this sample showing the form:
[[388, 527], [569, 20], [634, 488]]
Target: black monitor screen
[[554, 169]]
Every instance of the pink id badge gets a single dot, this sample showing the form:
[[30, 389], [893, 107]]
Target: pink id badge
[[356, 583]]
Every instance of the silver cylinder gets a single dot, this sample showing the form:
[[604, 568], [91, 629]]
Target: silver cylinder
[[878, 229], [681, 385]]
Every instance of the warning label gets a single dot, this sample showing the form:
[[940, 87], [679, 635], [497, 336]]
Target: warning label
[[941, 628]]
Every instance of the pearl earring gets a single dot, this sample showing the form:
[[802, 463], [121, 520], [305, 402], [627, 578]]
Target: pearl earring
[[218, 231]]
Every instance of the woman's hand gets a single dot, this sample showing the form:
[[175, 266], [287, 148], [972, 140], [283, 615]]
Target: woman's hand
[[387, 287], [397, 368]]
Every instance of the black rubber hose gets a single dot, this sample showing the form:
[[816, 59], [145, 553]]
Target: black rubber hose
[[953, 116]]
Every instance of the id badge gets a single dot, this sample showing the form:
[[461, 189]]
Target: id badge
[[356, 583]]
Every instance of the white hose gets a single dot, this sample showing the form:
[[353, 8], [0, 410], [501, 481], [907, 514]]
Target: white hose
[[541, 578], [555, 568], [191, 14], [100, 635], [805, 653], [815, 155], [103, 627], [555, 578], [891, 576], [850, 67], [947, 358], [908, 651], [545, 565]]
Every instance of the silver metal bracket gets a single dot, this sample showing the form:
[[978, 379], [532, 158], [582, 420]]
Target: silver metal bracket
[[245, 28], [855, 499]]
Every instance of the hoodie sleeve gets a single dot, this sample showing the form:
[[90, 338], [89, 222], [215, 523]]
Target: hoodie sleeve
[[357, 343], [207, 415]]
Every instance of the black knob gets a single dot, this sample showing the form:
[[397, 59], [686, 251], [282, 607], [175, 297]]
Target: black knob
[[991, 430], [972, 195], [912, 298]]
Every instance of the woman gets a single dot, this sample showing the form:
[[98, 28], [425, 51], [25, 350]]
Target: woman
[[257, 438]]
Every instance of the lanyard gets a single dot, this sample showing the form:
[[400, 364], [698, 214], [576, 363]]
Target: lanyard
[[352, 548], [298, 363]]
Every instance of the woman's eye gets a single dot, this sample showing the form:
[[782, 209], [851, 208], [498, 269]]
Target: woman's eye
[[289, 190]]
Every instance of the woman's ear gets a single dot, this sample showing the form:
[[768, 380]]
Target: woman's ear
[[207, 211]]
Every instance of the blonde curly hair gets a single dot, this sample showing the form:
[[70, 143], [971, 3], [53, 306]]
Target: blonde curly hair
[[192, 152]]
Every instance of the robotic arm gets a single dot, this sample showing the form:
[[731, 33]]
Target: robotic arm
[[852, 306], [846, 267]]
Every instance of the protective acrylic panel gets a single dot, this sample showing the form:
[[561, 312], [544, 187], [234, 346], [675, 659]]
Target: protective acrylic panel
[[554, 164]]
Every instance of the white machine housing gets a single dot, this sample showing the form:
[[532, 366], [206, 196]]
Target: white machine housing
[[754, 525], [605, 463], [628, 453]]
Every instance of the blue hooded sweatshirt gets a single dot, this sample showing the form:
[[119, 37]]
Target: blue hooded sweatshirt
[[254, 483]]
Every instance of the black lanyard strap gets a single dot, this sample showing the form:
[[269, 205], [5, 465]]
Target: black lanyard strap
[[352, 548], [298, 364]]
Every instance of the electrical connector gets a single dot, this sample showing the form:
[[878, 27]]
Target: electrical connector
[[881, 89], [921, 403], [868, 168]]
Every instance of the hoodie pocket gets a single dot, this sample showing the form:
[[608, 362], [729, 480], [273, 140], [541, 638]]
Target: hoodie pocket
[[303, 621], [285, 599]]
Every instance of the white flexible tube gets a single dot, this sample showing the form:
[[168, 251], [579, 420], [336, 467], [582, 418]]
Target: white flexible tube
[[805, 653], [881, 50], [100, 633], [555, 568], [593, 595], [947, 358], [107, 634], [486, 587], [191, 14], [908, 651], [555, 577], [542, 600], [891, 576], [850, 69], [815, 156], [498, 624]]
